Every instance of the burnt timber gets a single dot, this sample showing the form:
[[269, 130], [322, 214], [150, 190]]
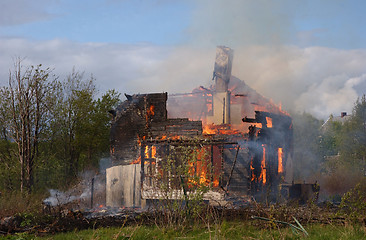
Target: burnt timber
[[144, 116], [249, 155]]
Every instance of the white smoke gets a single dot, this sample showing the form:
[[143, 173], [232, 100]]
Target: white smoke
[[333, 95], [80, 195], [58, 198], [271, 55], [321, 81], [316, 80]]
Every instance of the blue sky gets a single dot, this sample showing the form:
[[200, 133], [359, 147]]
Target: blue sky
[[158, 22], [330, 23], [309, 55]]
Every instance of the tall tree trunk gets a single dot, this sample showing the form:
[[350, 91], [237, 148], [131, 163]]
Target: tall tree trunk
[[27, 94]]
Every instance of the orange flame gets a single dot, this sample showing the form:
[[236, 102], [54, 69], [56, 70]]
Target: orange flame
[[153, 151], [263, 166], [174, 137], [224, 129], [270, 106], [202, 166], [215, 183], [153, 155], [137, 161], [150, 112], [170, 137], [280, 165], [208, 130], [198, 171], [269, 122], [251, 169], [203, 170], [146, 151]]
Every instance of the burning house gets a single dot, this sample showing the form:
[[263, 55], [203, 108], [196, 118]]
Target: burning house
[[246, 140]]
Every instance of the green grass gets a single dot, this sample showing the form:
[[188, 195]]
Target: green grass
[[227, 230]]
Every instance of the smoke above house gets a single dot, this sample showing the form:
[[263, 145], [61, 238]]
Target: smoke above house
[[274, 56]]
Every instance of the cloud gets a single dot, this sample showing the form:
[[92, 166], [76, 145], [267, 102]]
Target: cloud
[[130, 68], [318, 80], [334, 94], [14, 12], [240, 23], [116, 66]]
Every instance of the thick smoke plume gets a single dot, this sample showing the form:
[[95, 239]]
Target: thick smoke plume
[[321, 81], [272, 54]]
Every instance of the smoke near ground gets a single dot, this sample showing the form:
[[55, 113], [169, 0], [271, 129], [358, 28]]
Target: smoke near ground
[[80, 195]]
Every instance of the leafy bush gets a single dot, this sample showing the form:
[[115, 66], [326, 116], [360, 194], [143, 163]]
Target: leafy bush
[[181, 181], [354, 201]]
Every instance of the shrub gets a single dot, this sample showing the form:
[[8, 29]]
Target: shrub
[[354, 201]]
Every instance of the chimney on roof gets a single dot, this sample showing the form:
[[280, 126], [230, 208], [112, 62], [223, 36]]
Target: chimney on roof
[[222, 69], [221, 96], [343, 114]]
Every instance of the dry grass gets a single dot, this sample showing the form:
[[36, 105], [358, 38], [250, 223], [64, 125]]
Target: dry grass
[[15, 202]]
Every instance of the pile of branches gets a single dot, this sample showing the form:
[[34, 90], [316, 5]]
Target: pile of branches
[[68, 220]]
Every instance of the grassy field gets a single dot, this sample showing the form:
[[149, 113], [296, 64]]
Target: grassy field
[[226, 230]]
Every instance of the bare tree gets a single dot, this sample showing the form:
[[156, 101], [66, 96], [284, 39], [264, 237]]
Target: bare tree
[[28, 100]]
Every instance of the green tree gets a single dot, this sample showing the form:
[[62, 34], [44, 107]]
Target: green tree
[[9, 174], [99, 143], [25, 114], [330, 138], [343, 146], [51, 130], [353, 138], [80, 128]]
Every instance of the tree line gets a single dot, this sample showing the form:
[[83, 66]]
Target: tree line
[[333, 152], [51, 129]]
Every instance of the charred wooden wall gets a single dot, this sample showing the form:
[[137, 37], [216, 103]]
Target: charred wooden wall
[[235, 169], [132, 122], [142, 117], [264, 144]]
